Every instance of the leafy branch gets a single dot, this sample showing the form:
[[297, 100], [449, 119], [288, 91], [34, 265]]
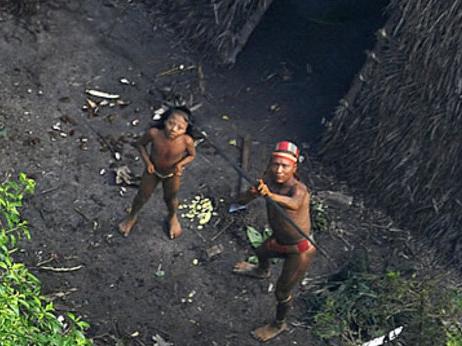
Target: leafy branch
[[27, 317]]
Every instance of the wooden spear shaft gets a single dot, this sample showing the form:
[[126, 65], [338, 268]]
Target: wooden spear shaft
[[276, 206]]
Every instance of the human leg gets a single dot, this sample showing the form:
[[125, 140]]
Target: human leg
[[171, 187], [293, 271], [147, 186], [260, 271]]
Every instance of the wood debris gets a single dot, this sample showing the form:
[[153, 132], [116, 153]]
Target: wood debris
[[102, 94]]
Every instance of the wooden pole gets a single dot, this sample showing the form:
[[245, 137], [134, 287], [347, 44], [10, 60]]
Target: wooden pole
[[246, 149]]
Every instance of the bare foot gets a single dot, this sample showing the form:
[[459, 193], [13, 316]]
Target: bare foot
[[252, 270], [269, 331], [174, 227], [126, 226]]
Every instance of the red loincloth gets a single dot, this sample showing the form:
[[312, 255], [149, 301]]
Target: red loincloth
[[272, 245]]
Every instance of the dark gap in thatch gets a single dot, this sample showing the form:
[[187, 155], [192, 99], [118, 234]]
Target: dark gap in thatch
[[397, 133]]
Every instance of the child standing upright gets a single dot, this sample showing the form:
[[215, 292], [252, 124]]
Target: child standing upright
[[172, 148]]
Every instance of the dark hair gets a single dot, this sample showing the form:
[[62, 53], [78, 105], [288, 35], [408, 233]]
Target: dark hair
[[181, 110]]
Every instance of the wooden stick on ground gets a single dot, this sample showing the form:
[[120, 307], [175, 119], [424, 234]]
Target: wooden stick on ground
[[62, 270], [219, 233]]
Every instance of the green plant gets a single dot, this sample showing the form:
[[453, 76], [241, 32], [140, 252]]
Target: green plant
[[362, 306], [256, 238], [26, 317], [453, 328], [319, 218]]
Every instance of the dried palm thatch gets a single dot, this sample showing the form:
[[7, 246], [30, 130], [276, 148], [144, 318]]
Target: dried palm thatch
[[217, 29], [19, 7], [398, 131]]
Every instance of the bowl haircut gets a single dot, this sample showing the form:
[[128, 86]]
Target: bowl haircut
[[180, 110]]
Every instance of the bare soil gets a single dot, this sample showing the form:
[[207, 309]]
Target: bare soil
[[288, 79]]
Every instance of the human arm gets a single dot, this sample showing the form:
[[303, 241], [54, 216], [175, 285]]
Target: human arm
[[141, 146], [292, 202], [190, 156], [252, 193]]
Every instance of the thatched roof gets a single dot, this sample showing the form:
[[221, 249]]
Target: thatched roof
[[398, 131], [19, 7], [216, 29]]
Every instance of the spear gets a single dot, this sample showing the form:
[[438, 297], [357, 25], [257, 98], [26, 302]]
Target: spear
[[275, 205]]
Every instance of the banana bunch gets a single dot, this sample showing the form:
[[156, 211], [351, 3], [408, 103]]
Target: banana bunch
[[200, 209]]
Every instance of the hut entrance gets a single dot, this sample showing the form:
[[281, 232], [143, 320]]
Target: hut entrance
[[309, 50]]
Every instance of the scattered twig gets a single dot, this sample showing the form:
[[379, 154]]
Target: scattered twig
[[60, 295], [51, 259], [216, 223], [102, 94], [176, 69], [202, 156], [223, 230], [200, 235], [82, 214], [195, 107], [215, 12], [62, 269], [65, 308], [44, 192], [140, 342], [372, 225], [345, 241]]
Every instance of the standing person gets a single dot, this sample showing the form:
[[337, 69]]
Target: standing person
[[282, 185], [172, 148]]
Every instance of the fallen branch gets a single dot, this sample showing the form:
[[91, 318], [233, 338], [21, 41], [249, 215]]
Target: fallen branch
[[41, 263], [219, 233], [102, 94], [82, 214], [49, 190], [59, 295], [62, 269], [200, 236], [176, 69]]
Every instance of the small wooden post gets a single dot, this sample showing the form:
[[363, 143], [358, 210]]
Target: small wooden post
[[246, 146]]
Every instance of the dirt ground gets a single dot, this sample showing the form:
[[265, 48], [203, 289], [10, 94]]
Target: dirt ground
[[47, 62]]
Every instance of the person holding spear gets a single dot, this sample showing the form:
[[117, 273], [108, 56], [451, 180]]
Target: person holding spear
[[282, 186]]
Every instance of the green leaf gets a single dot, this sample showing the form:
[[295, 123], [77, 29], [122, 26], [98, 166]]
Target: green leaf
[[267, 233], [255, 237], [253, 260], [26, 317]]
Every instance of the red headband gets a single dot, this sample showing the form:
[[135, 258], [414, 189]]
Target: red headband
[[286, 150]]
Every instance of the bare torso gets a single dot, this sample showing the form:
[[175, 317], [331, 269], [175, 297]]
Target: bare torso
[[166, 153], [282, 230]]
